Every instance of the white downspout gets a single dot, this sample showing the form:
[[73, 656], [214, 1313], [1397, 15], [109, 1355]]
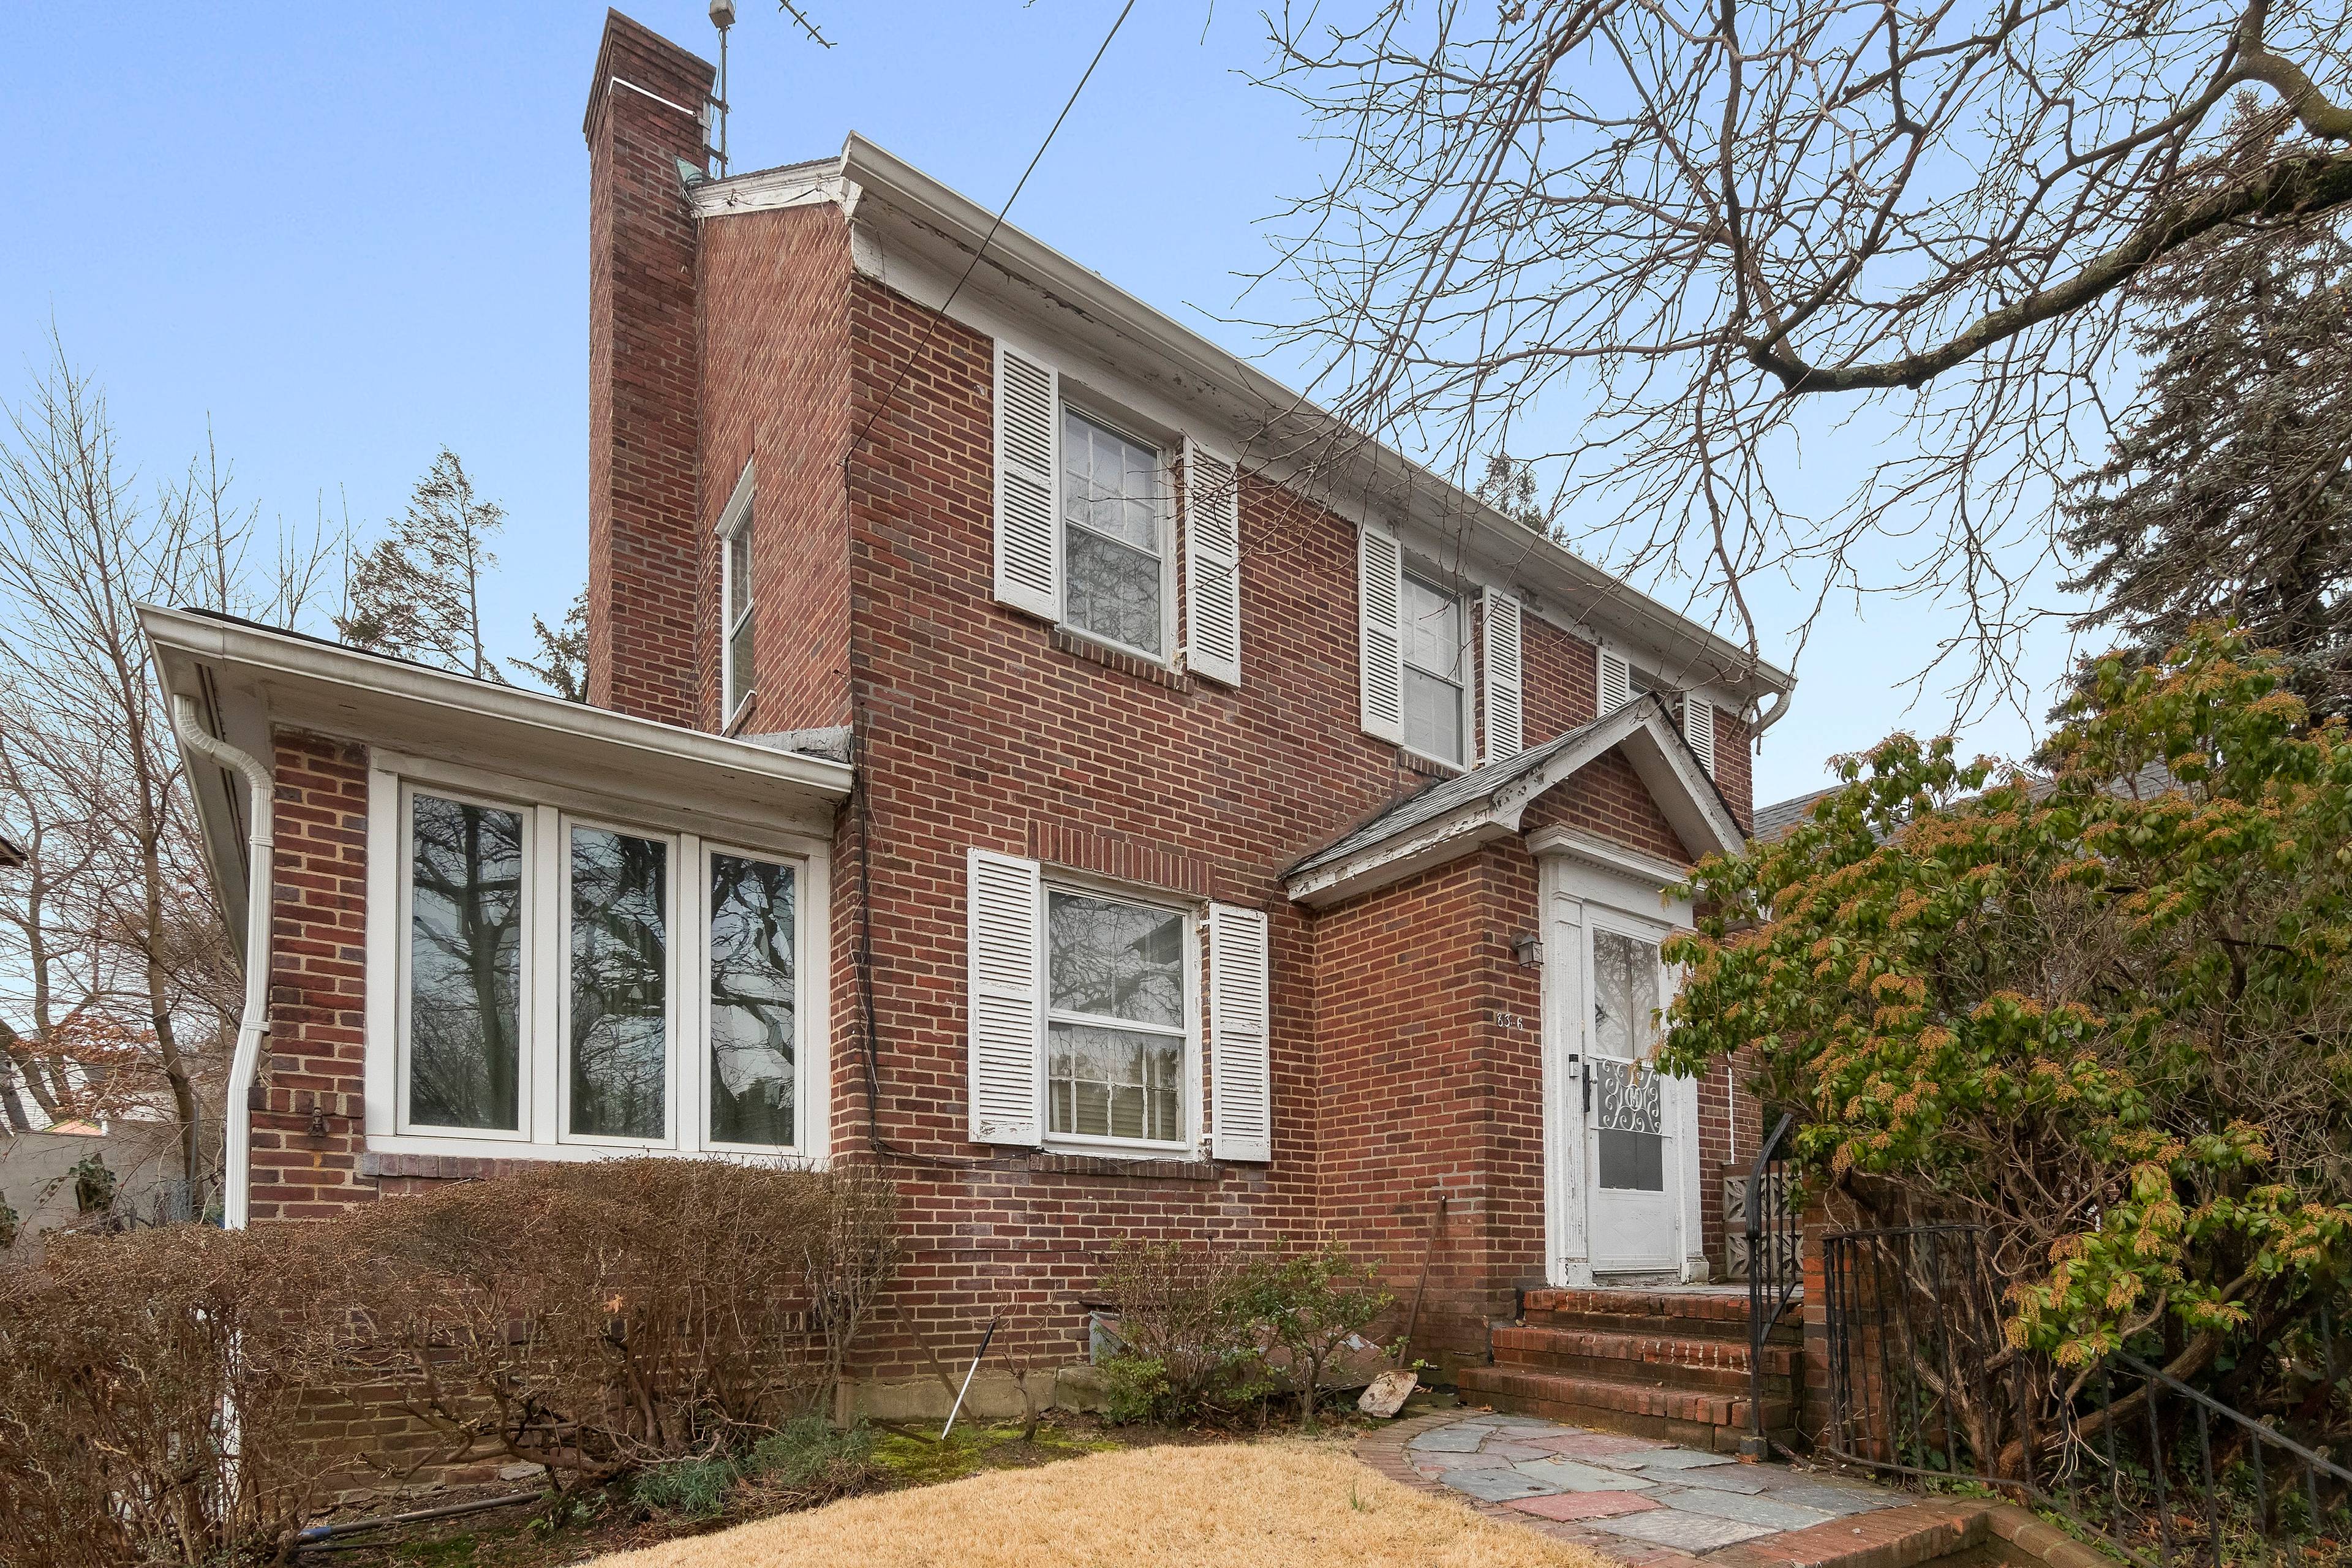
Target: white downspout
[[236, 1120]]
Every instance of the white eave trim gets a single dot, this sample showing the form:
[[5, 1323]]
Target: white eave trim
[[340, 692], [767, 190], [1659, 755]]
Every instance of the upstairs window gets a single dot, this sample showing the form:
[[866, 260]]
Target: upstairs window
[[736, 669], [1113, 520], [1435, 694]]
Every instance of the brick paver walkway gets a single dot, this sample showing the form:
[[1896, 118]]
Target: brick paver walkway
[[1655, 1505]]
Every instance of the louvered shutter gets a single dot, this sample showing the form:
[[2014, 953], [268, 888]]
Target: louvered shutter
[[1505, 681], [1379, 571], [1241, 1081], [1615, 678], [1007, 999], [1212, 567], [1698, 729], [1028, 483]]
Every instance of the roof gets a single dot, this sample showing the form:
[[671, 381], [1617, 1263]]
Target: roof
[[1452, 817], [917, 235], [10, 855], [1773, 822], [248, 680]]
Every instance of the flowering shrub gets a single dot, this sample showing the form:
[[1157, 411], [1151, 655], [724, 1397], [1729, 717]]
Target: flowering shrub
[[2104, 1014]]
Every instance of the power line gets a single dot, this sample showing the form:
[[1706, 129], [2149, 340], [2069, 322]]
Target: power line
[[988, 239]]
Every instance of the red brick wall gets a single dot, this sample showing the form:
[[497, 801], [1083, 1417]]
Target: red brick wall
[[775, 391], [1431, 1085], [313, 1074], [1607, 798], [643, 389]]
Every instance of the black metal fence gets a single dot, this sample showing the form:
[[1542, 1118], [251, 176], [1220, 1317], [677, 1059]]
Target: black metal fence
[[1924, 1382], [1775, 1265]]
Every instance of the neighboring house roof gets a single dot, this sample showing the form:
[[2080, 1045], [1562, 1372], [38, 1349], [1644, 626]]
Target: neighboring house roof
[[917, 235], [1774, 821], [1453, 816], [247, 679], [10, 855]]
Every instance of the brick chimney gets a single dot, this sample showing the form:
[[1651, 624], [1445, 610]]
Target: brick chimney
[[644, 114]]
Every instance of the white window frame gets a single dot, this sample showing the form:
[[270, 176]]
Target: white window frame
[[699, 1070], [679, 845], [733, 521], [1163, 520], [549, 812], [1189, 1074], [1463, 682], [402, 909]]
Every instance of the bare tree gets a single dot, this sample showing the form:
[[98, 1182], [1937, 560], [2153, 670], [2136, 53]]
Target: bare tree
[[1667, 228], [130, 981]]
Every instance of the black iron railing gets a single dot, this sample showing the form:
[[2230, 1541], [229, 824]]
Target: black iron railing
[[1923, 1381], [1774, 1264]]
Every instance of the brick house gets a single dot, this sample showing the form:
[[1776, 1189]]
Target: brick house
[[1025, 748]]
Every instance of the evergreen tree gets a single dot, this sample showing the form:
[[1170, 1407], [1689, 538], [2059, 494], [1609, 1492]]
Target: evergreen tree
[[2229, 489], [562, 663], [418, 595]]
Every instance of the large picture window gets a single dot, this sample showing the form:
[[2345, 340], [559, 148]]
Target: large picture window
[[1436, 701], [563, 979], [1113, 518], [1116, 980]]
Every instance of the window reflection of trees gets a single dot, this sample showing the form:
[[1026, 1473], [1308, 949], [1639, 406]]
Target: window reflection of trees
[[619, 983], [1109, 960], [751, 1000], [1111, 537], [465, 965]]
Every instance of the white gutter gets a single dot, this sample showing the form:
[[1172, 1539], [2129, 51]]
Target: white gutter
[[237, 1117]]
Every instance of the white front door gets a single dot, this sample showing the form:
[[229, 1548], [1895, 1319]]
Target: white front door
[[1628, 1145], [1621, 1142]]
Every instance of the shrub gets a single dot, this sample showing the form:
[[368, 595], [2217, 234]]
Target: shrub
[[121, 1358], [694, 1487], [1312, 1303], [1210, 1330], [815, 1461], [163, 1393]]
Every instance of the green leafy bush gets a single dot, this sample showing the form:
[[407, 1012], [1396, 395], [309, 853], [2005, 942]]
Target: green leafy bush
[[696, 1488], [2104, 1015], [816, 1460], [1310, 1305]]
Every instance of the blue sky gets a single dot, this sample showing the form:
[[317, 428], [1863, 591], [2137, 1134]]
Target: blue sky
[[348, 235]]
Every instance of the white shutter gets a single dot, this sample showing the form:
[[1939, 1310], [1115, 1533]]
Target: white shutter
[[1212, 567], [1241, 1081], [1379, 572], [1505, 679], [1698, 729], [1028, 483], [1614, 679], [1007, 999]]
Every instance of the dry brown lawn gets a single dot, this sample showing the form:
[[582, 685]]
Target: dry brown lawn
[[1265, 1505]]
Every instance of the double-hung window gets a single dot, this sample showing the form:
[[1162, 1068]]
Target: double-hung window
[[1436, 703], [1114, 522], [1116, 991], [737, 671], [566, 979]]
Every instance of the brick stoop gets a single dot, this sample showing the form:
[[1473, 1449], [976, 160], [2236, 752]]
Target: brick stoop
[[1652, 1362]]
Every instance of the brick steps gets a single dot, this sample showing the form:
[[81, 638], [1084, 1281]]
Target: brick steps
[[1652, 1362]]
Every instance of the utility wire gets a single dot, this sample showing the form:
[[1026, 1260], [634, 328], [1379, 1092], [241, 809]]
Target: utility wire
[[987, 239], [861, 781]]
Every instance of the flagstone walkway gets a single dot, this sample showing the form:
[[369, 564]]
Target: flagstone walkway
[[1655, 1504]]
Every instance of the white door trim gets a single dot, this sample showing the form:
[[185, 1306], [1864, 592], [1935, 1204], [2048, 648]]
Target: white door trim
[[1582, 882]]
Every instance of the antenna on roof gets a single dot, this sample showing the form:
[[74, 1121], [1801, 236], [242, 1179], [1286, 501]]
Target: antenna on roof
[[722, 16]]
